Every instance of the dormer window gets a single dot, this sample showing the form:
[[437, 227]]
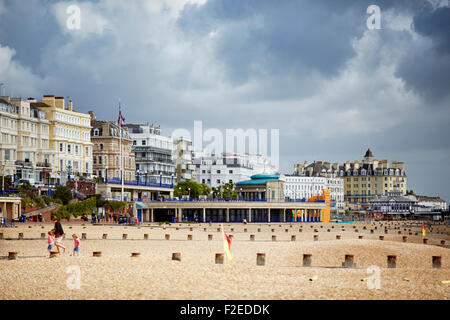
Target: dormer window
[[355, 172], [363, 172], [95, 132]]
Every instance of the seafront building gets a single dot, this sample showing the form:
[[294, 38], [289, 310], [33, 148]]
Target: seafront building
[[153, 154], [25, 142], [363, 181], [216, 170], [392, 203], [69, 137], [105, 136], [309, 180], [184, 155]]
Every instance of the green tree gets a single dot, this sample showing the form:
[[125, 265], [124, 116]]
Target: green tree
[[8, 182], [188, 187], [76, 209], [64, 194], [204, 190], [116, 205], [225, 191]]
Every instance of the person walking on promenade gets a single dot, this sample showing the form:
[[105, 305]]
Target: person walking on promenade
[[59, 235]]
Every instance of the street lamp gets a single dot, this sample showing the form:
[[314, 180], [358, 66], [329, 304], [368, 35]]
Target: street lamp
[[69, 167], [172, 180], [179, 193], [241, 193], [257, 193], [270, 195], [3, 179], [106, 174], [160, 179], [189, 194]]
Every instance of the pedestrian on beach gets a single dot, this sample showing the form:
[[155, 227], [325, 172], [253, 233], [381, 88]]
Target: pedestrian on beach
[[50, 240], [59, 235], [99, 216], [76, 246], [93, 218]]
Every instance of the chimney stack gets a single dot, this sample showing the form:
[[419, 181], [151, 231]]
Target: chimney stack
[[69, 105], [49, 100], [60, 103], [91, 113]]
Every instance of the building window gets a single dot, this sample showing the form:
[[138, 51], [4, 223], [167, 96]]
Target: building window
[[87, 151], [7, 154], [143, 142], [101, 146], [68, 148], [218, 171], [95, 160], [134, 142], [61, 147]]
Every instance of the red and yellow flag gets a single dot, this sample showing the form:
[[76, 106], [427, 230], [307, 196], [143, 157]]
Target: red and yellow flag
[[227, 244], [424, 230]]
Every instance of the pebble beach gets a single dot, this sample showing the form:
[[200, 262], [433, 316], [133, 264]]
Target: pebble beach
[[154, 275]]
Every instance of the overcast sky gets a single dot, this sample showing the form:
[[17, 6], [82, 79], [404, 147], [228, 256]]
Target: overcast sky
[[309, 68]]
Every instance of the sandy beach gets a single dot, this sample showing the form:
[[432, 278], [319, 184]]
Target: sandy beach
[[153, 275]]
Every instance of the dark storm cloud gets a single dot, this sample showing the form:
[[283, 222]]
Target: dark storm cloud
[[435, 23], [260, 38], [29, 26], [427, 70]]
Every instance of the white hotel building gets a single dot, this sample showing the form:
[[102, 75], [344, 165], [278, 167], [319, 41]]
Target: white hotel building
[[304, 187], [216, 170]]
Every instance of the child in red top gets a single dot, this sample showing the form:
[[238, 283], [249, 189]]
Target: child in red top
[[76, 248], [51, 241]]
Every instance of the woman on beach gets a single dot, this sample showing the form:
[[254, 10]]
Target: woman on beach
[[59, 235]]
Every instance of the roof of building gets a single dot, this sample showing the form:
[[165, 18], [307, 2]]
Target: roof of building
[[389, 198], [259, 179], [368, 153]]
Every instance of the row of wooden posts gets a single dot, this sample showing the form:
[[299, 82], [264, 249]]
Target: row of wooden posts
[[210, 237], [261, 259]]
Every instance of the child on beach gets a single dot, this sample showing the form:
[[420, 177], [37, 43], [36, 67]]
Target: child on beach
[[76, 247], [51, 241]]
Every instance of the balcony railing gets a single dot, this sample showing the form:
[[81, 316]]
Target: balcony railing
[[236, 200], [24, 163], [139, 183], [43, 164]]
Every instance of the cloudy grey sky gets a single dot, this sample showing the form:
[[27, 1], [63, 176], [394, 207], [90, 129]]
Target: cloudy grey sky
[[309, 68]]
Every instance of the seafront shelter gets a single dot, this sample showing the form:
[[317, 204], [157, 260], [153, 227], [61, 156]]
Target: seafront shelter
[[234, 211]]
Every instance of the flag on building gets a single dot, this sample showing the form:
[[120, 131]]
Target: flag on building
[[121, 120], [227, 244], [424, 230]]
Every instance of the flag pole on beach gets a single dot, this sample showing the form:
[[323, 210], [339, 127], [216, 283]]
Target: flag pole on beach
[[121, 123], [226, 244]]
